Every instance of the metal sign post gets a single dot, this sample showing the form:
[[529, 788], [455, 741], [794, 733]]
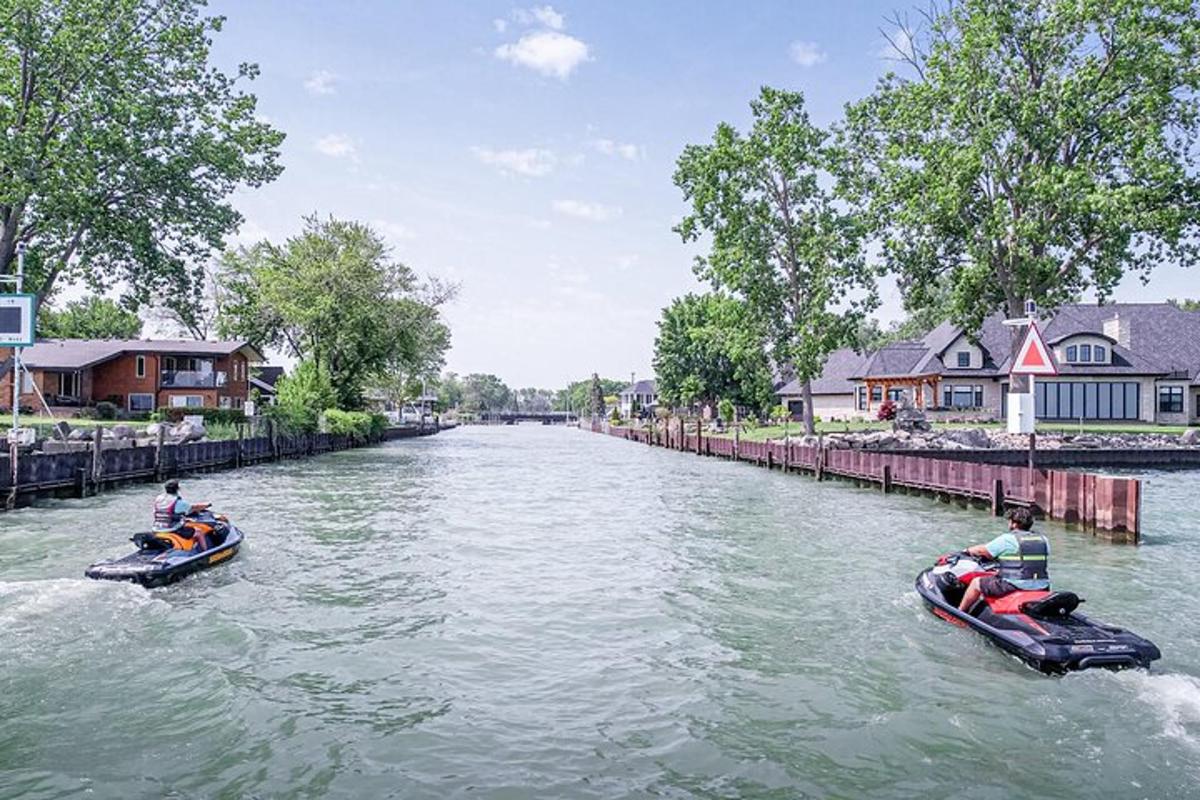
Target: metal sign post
[[16, 328], [1033, 358]]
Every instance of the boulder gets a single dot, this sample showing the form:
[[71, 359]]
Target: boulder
[[153, 428], [62, 430], [910, 419], [123, 432], [79, 435], [187, 432], [1190, 437], [976, 438]]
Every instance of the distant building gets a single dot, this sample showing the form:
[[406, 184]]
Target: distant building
[[642, 394], [263, 380], [1120, 362], [137, 375]]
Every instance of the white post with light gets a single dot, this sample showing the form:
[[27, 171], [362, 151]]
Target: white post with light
[[16, 329]]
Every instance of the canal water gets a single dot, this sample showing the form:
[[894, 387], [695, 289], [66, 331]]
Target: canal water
[[531, 612]]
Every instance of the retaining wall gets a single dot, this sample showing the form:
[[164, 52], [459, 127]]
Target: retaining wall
[[1109, 505]]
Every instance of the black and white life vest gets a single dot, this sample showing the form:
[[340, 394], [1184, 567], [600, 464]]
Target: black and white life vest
[[1030, 562], [165, 518]]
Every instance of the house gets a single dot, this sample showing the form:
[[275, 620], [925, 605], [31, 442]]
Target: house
[[1119, 362], [135, 374], [638, 396], [263, 380]]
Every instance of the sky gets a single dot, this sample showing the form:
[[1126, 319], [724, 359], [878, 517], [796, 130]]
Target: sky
[[525, 152]]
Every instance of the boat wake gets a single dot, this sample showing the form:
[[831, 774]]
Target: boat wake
[[1176, 699]]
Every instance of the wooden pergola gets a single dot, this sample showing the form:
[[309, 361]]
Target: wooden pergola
[[918, 382]]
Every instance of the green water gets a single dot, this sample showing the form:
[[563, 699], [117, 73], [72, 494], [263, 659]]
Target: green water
[[540, 612]]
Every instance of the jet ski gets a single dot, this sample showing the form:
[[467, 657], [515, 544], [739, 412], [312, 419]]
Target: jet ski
[[163, 557], [1041, 628]]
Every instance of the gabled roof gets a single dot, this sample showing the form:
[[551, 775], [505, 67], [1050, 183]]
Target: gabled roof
[[81, 353], [267, 375], [641, 387], [841, 366]]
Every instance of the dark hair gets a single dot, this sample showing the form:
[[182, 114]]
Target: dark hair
[[1022, 517], [172, 486]]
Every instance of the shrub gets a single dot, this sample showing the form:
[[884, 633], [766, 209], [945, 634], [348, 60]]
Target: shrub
[[359, 424], [615, 416], [212, 416], [302, 396], [88, 412], [887, 410], [725, 410], [106, 410]]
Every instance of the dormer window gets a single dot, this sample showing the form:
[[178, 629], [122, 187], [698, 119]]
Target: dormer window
[[1085, 352], [1073, 354], [964, 359], [1100, 354]]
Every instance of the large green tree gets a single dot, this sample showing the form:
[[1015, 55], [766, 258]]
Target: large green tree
[[119, 143], [577, 396], [90, 318], [708, 348], [780, 238], [483, 393], [334, 295], [1033, 148]]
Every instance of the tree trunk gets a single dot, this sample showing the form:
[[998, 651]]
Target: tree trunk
[[810, 426]]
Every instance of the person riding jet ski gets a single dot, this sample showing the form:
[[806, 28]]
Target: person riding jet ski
[[1023, 558], [170, 512]]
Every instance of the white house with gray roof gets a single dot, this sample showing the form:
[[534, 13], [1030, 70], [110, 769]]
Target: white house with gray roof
[[1120, 363]]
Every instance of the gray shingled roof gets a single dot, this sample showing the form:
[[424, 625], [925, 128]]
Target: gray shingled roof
[[81, 353], [841, 366], [641, 387]]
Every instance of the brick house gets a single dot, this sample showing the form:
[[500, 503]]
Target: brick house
[[1124, 362], [135, 374]]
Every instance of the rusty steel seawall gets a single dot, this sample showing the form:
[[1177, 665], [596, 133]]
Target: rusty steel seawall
[[1099, 504]]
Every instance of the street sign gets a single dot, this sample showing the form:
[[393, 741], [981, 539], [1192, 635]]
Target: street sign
[[1034, 356], [16, 320]]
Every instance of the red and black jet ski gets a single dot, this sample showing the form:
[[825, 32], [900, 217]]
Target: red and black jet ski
[[164, 557], [1041, 628]]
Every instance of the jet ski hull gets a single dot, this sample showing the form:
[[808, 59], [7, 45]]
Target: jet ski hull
[[157, 568], [1060, 644]]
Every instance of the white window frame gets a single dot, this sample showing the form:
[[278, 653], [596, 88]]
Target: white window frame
[[139, 368], [958, 359], [129, 401], [181, 401]]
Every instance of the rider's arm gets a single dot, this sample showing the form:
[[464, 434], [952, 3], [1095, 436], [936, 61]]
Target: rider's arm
[[980, 551]]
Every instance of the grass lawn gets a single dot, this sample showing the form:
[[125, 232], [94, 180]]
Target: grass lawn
[[796, 429]]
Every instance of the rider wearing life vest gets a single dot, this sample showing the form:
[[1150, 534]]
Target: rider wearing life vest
[[1023, 556], [170, 512]]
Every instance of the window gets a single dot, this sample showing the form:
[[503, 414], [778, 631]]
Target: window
[[1100, 354], [964, 359], [1085, 353], [168, 363], [141, 366], [187, 401], [141, 402], [68, 384], [895, 395], [225, 402], [1086, 400], [876, 394], [1170, 399], [860, 395], [962, 397], [1072, 354]]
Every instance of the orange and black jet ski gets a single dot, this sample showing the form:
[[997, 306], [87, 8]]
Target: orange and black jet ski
[[166, 556]]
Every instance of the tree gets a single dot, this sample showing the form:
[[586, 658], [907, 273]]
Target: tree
[[1039, 148], [485, 393], [301, 398], [90, 318], [1185, 304], [449, 391], [780, 239], [333, 295], [709, 347], [120, 144], [533, 400], [596, 397], [577, 396]]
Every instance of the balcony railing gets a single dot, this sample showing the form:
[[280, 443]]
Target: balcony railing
[[188, 379]]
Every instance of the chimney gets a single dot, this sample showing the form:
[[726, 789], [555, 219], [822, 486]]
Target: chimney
[[1118, 328]]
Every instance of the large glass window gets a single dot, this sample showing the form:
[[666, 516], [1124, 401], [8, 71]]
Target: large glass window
[[861, 394], [876, 394], [1085, 353], [1170, 399], [895, 395], [1080, 400], [141, 402], [962, 397]]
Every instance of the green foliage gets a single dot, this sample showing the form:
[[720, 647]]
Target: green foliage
[[106, 410], [333, 295], [483, 393], [121, 144], [359, 424], [223, 416], [709, 346], [725, 409], [1185, 304], [596, 400], [302, 396], [780, 413], [91, 318], [781, 240], [615, 416], [578, 395], [1035, 149], [449, 391]]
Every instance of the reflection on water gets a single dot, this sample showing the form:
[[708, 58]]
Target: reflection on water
[[539, 612]]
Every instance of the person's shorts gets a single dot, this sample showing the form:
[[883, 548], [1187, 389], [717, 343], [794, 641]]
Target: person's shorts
[[995, 586]]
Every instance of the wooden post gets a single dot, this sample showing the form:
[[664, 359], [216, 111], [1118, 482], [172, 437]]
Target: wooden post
[[241, 429], [14, 451], [274, 436], [770, 456], [887, 478], [699, 435], [736, 441], [158, 452], [821, 461], [682, 434], [81, 482], [97, 456], [997, 498]]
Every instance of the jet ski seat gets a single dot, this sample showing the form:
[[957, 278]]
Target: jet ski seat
[[1055, 605]]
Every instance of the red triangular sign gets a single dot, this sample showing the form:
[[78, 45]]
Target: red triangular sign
[[1034, 357]]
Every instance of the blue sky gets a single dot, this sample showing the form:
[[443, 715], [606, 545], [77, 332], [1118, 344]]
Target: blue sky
[[526, 152]]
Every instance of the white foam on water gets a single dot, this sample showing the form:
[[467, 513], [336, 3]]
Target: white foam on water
[[24, 601], [1176, 699]]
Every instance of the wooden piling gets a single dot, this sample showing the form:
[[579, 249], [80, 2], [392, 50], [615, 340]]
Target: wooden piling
[[97, 456]]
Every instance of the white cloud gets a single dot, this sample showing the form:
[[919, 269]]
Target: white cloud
[[500, 25], [321, 82], [532, 161], [548, 52], [807, 54], [592, 212], [545, 15], [629, 152], [336, 145], [394, 232], [900, 46]]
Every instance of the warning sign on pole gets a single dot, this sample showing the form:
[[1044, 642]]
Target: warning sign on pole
[[1034, 357]]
